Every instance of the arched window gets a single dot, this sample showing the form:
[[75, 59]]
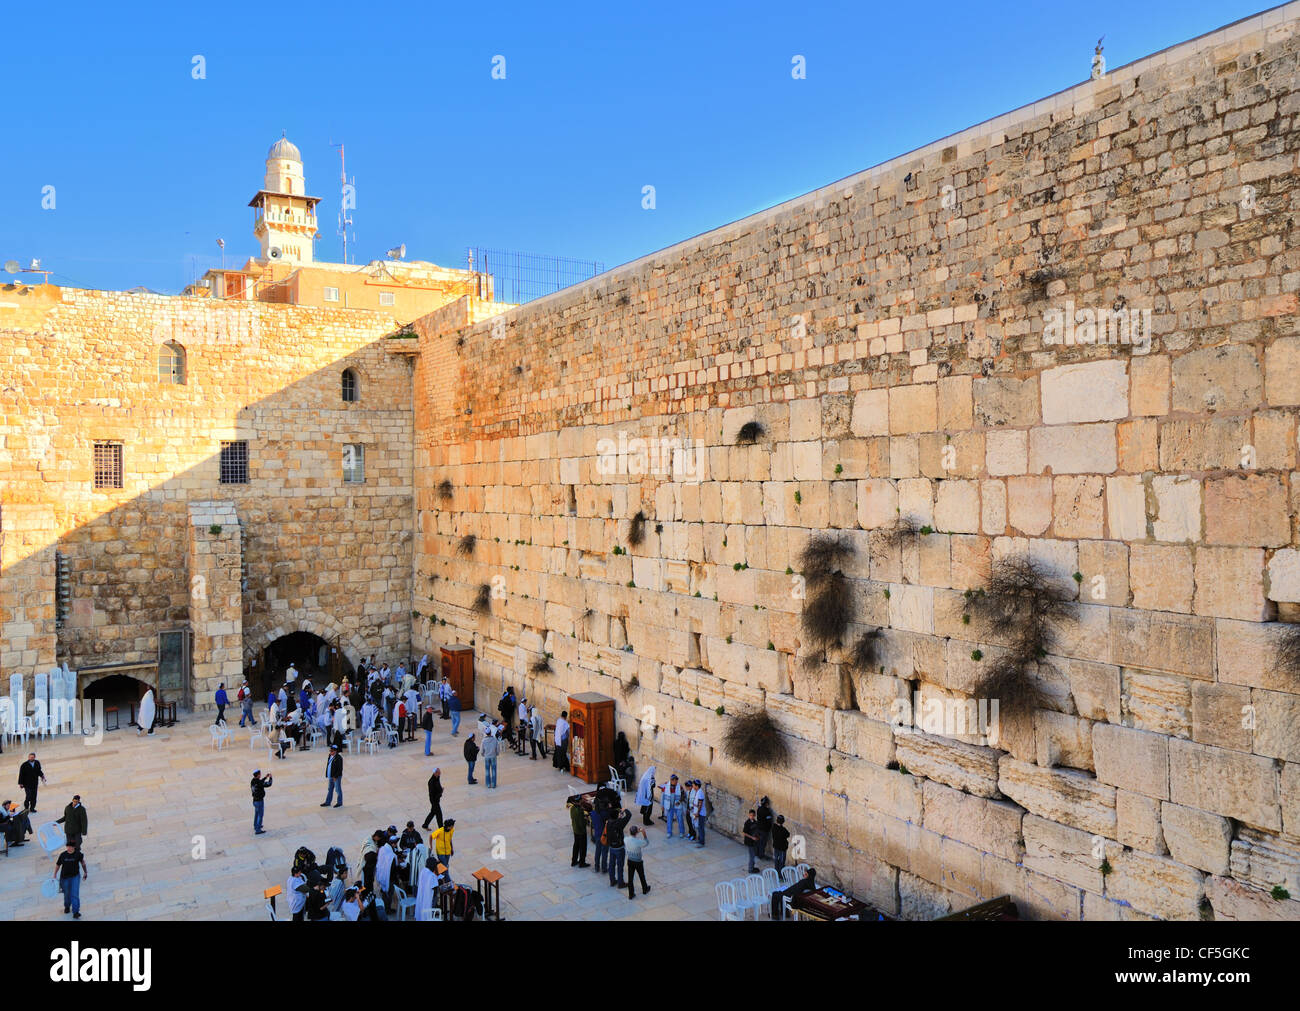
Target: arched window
[[171, 364], [351, 388]]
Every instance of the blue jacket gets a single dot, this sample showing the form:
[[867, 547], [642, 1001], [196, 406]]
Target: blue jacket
[[454, 705], [221, 697]]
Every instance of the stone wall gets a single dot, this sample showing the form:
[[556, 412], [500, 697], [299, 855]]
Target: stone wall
[[902, 337], [308, 552]]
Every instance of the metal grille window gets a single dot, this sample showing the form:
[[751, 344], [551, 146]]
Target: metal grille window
[[108, 465], [234, 462], [350, 389], [354, 463], [171, 364], [62, 589], [386, 298]]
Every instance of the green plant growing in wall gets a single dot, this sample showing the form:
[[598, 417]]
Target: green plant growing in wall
[[839, 468], [798, 497], [215, 530], [1280, 893], [1105, 867], [721, 710]]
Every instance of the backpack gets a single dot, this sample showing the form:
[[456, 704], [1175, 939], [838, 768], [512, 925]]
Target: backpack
[[465, 904], [304, 860]]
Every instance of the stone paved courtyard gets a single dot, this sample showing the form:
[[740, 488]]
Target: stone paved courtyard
[[150, 800]]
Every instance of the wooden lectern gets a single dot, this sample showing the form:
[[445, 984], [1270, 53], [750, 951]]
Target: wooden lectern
[[458, 669], [591, 736]]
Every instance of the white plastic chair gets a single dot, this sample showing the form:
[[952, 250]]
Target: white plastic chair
[[800, 870], [745, 899], [616, 782], [51, 837], [727, 907], [254, 735], [405, 903], [756, 891], [220, 736], [371, 741], [788, 876], [771, 884]]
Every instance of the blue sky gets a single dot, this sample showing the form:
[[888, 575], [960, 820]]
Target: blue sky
[[150, 165]]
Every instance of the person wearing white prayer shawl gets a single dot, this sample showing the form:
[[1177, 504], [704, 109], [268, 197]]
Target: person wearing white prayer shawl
[[419, 671], [369, 713], [291, 674], [384, 870], [147, 712], [426, 890]]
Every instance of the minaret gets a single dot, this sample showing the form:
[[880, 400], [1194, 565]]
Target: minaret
[[285, 217]]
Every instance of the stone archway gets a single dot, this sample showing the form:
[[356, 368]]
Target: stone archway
[[316, 622]]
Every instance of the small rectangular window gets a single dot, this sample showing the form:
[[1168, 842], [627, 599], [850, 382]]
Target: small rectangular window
[[331, 294], [234, 462], [354, 463], [385, 298], [108, 465]]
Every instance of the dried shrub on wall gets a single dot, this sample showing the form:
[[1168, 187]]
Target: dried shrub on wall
[[465, 546], [866, 653], [483, 600], [636, 530], [542, 665], [828, 608], [750, 432], [753, 739], [1020, 604], [444, 490], [1287, 655]]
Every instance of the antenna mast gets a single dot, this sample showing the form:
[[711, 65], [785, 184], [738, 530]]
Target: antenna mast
[[347, 200]]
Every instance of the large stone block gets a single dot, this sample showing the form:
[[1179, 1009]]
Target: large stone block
[[1073, 449], [953, 763], [1235, 785], [1156, 885], [1277, 724], [1161, 577], [1230, 583], [1157, 702], [1133, 760], [1063, 740], [1180, 644], [1231, 900], [913, 409], [1178, 508], [1196, 838], [1071, 798], [858, 735], [1090, 391], [894, 794], [1138, 819], [1247, 510], [1221, 716], [1282, 372], [1006, 402], [992, 826], [1061, 852], [1217, 379], [1265, 860], [1246, 655]]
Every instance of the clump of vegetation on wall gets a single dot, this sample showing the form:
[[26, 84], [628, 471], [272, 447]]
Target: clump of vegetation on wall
[[1287, 655], [828, 608], [753, 739], [1019, 605], [483, 600], [865, 655], [750, 432], [636, 529], [542, 665], [465, 546], [444, 490]]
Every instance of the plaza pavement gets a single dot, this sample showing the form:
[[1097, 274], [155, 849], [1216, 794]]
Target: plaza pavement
[[171, 828]]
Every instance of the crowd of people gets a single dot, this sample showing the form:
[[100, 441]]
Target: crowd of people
[[16, 825]]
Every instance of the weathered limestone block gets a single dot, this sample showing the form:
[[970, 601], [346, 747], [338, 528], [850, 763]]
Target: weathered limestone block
[[1078, 506], [858, 735], [887, 791], [1092, 391], [992, 826], [1073, 449], [1065, 796], [1198, 445], [800, 719], [1180, 644], [1282, 372], [1149, 395], [913, 409], [1156, 885], [962, 766], [1095, 689], [957, 507], [1247, 509], [1291, 798], [1029, 504], [919, 899], [1284, 575], [1006, 452], [1138, 818], [1157, 702], [1060, 852], [1231, 900], [1133, 760], [1126, 508], [1230, 583], [1217, 379], [1245, 655], [870, 413], [1161, 577], [1196, 838], [1277, 724], [1006, 402], [1177, 508], [1063, 740], [1235, 785], [1220, 716], [1265, 860]]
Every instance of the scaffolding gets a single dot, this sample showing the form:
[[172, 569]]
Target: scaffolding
[[522, 277]]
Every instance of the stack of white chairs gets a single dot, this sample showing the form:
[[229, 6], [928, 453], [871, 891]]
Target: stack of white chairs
[[221, 735]]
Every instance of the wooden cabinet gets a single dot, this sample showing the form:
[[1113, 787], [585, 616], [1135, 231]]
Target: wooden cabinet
[[458, 669], [591, 749]]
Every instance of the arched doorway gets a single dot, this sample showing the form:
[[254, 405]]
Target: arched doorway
[[315, 659], [120, 690]]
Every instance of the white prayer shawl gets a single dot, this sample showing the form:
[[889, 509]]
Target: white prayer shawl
[[340, 720], [424, 894], [384, 868], [412, 701], [147, 710], [561, 731], [419, 671], [368, 716]]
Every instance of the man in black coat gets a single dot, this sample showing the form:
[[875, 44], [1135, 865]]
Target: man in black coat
[[334, 773], [435, 799], [471, 756], [30, 777], [74, 821]]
